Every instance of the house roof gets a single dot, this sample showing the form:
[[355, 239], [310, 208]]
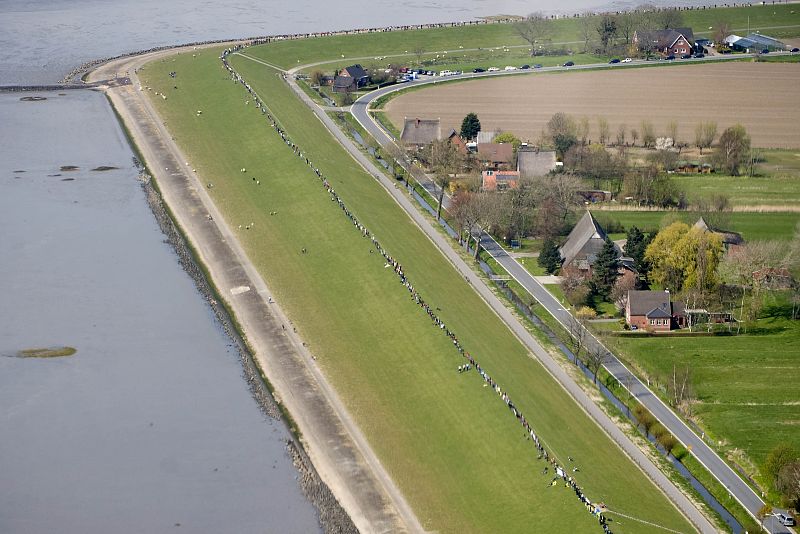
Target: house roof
[[420, 131], [664, 38], [496, 152], [647, 302], [584, 242], [490, 179], [486, 137], [354, 71], [658, 313], [728, 237], [343, 82], [533, 163], [764, 40]]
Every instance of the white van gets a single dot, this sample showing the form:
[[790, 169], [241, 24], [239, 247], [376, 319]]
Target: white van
[[446, 73]]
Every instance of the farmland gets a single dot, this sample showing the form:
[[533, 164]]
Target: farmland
[[450, 444], [687, 94]]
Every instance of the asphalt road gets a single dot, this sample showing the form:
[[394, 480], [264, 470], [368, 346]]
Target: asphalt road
[[737, 487]]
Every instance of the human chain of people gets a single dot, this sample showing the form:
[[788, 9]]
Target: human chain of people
[[559, 470]]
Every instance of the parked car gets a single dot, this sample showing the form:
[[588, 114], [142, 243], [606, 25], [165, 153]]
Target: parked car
[[686, 56], [478, 69], [525, 66], [765, 51], [446, 73], [430, 73], [614, 61], [785, 519], [670, 57], [627, 60], [569, 63], [492, 69], [537, 66], [699, 55], [795, 50], [510, 67]]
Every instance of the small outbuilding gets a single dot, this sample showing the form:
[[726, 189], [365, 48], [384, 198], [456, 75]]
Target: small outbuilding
[[653, 310], [418, 133]]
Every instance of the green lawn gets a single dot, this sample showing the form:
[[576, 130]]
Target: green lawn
[[777, 190], [752, 226], [450, 444], [748, 396], [290, 53]]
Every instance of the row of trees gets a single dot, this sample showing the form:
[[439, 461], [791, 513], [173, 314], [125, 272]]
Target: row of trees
[[608, 29]]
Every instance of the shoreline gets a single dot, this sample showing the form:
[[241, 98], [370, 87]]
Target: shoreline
[[337, 470]]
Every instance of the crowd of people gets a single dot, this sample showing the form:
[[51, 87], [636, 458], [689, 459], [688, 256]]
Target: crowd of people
[[397, 267]]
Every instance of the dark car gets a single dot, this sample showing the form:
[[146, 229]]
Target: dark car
[[795, 50], [725, 51], [537, 66], [613, 61], [479, 69], [525, 67], [699, 55], [686, 56], [569, 63], [670, 57], [765, 51]]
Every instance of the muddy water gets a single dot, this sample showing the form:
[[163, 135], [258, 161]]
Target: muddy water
[[150, 426]]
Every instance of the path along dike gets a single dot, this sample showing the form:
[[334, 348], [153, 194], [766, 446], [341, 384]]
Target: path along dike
[[339, 452]]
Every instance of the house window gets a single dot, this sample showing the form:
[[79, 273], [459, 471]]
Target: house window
[[652, 322]]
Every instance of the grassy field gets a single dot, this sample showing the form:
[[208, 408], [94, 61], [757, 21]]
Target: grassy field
[[743, 191], [752, 226], [450, 444], [746, 401], [288, 54]]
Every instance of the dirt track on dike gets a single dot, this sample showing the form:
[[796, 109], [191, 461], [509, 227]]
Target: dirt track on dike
[[761, 96]]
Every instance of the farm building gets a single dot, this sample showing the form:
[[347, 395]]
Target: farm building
[[418, 133], [677, 41], [486, 137], [730, 240], [653, 310], [350, 79], [456, 140], [583, 245], [533, 163], [754, 42], [496, 155], [499, 180]]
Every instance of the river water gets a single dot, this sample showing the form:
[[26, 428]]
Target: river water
[[150, 426]]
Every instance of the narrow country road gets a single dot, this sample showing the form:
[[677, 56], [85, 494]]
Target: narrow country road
[[554, 368], [737, 487]]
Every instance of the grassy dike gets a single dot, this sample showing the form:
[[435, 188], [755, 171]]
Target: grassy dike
[[450, 444], [292, 53]]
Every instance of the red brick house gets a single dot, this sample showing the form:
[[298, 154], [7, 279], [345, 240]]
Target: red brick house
[[499, 180], [456, 140], [653, 310], [676, 42]]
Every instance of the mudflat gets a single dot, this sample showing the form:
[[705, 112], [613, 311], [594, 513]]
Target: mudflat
[[760, 96]]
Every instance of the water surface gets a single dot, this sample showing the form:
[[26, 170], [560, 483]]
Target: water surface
[[150, 424]]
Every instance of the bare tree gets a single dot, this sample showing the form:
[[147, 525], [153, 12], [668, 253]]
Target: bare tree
[[397, 158], [721, 32], [535, 30], [648, 133], [578, 335], [445, 160], [681, 391], [583, 130], [607, 30], [621, 134], [704, 134], [634, 136], [670, 18], [586, 25], [419, 52], [602, 128], [596, 356], [626, 25], [485, 207], [672, 132], [317, 77]]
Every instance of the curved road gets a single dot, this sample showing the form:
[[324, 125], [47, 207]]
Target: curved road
[[738, 488]]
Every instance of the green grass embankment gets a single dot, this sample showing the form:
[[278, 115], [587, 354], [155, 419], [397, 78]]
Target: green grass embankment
[[450, 444]]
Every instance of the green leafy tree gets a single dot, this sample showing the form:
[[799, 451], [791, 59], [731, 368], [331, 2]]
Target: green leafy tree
[[783, 454], [470, 126], [682, 257], [562, 131], [508, 137], [607, 30], [550, 257], [316, 77], [635, 247], [733, 149], [605, 270]]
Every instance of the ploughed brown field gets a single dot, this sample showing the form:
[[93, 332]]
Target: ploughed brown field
[[764, 97]]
